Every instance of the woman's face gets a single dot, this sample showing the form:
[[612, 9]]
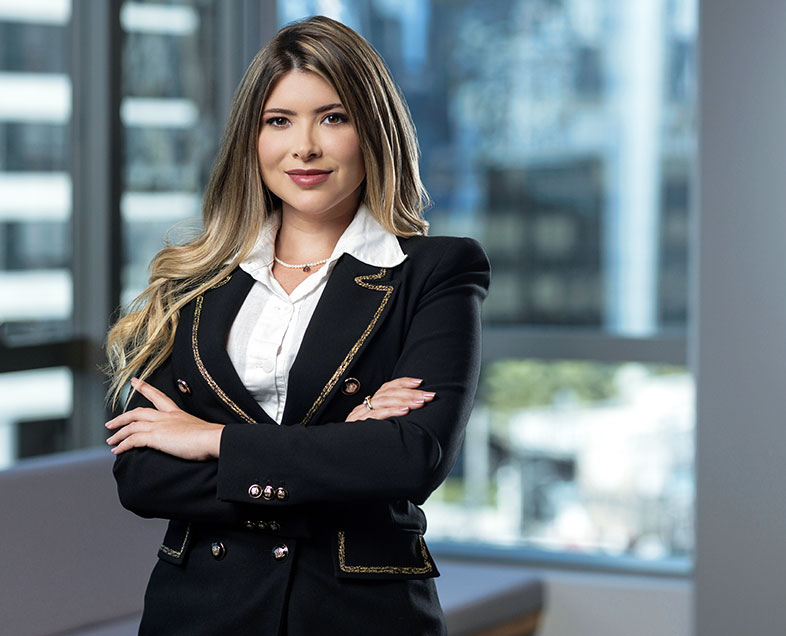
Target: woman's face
[[309, 152]]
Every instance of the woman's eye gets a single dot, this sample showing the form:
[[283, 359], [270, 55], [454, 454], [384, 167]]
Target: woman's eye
[[277, 122], [335, 118]]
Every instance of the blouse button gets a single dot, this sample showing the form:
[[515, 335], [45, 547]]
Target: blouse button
[[255, 491], [268, 493]]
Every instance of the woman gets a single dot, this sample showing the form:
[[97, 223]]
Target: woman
[[293, 499]]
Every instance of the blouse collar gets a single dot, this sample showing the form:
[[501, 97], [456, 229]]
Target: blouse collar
[[364, 238]]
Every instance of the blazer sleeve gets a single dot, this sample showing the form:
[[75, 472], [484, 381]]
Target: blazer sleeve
[[399, 458], [154, 484]]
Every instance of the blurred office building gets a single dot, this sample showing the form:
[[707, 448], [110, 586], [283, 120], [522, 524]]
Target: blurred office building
[[560, 133]]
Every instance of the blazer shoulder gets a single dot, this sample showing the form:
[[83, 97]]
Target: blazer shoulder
[[446, 260], [445, 249]]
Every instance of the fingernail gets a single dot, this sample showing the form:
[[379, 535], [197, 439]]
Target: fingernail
[[134, 381], [418, 401], [415, 381], [429, 394], [404, 409]]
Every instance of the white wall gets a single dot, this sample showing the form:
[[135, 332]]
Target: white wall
[[617, 605], [741, 321]]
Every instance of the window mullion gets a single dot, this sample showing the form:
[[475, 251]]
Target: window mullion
[[96, 147]]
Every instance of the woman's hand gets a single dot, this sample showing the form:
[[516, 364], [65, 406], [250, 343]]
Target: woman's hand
[[166, 428], [395, 398]]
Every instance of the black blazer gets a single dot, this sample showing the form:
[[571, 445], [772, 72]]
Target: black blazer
[[269, 538]]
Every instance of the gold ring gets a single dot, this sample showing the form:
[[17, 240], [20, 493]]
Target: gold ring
[[367, 402]]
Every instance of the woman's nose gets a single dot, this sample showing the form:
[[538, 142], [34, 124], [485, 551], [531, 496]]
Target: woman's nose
[[307, 145]]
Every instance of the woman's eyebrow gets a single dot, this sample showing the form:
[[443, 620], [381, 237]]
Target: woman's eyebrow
[[292, 113], [327, 107]]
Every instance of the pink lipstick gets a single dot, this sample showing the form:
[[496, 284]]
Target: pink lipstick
[[305, 178]]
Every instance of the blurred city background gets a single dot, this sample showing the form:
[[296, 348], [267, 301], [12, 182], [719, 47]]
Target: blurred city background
[[560, 133]]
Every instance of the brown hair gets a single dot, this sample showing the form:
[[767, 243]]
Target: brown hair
[[237, 202]]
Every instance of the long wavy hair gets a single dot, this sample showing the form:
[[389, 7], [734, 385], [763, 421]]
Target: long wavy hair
[[237, 202]]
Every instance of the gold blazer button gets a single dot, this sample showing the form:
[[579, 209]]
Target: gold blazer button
[[280, 552], [218, 550], [183, 387], [350, 386]]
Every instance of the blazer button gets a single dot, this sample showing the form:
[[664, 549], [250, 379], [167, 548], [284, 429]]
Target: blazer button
[[250, 525], [273, 525], [218, 550], [268, 493], [182, 385], [280, 552], [261, 525], [255, 491], [350, 386], [282, 494]]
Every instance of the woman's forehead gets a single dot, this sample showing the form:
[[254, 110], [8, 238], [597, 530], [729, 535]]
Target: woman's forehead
[[300, 90]]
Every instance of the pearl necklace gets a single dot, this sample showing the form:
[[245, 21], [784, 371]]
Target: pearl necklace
[[306, 267]]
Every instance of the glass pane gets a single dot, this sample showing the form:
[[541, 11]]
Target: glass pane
[[30, 426], [575, 456], [169, 114], [561, 133], [35, 208]]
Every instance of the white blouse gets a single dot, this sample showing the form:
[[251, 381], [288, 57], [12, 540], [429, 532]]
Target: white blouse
[[269, 328]]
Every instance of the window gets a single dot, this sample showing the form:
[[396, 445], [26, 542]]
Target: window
[[561, 135], [35, 217], [169, 115]]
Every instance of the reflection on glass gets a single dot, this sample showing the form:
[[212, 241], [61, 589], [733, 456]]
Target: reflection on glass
[[35, 206], [30, 425], [169, 116], [575, 456]]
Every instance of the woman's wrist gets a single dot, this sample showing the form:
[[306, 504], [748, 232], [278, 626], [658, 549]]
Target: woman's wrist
[[215, 446]]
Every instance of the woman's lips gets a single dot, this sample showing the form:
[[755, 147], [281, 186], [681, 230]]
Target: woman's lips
[[308, 177]]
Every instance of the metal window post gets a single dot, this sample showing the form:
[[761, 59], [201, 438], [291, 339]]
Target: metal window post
[[96, 164]]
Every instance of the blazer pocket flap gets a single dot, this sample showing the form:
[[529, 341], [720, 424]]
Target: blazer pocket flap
[[175, 545], [384, 555]]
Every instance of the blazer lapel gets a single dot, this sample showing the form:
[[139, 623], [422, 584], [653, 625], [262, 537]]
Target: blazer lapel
[[351, 309], [213, 316]]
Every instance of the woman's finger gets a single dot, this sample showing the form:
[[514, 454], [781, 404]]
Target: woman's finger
[[387, 401], [362, 413], [404, 396], [404, 382], [132, 441], [159, 399], [123, 433], [139, 414]]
